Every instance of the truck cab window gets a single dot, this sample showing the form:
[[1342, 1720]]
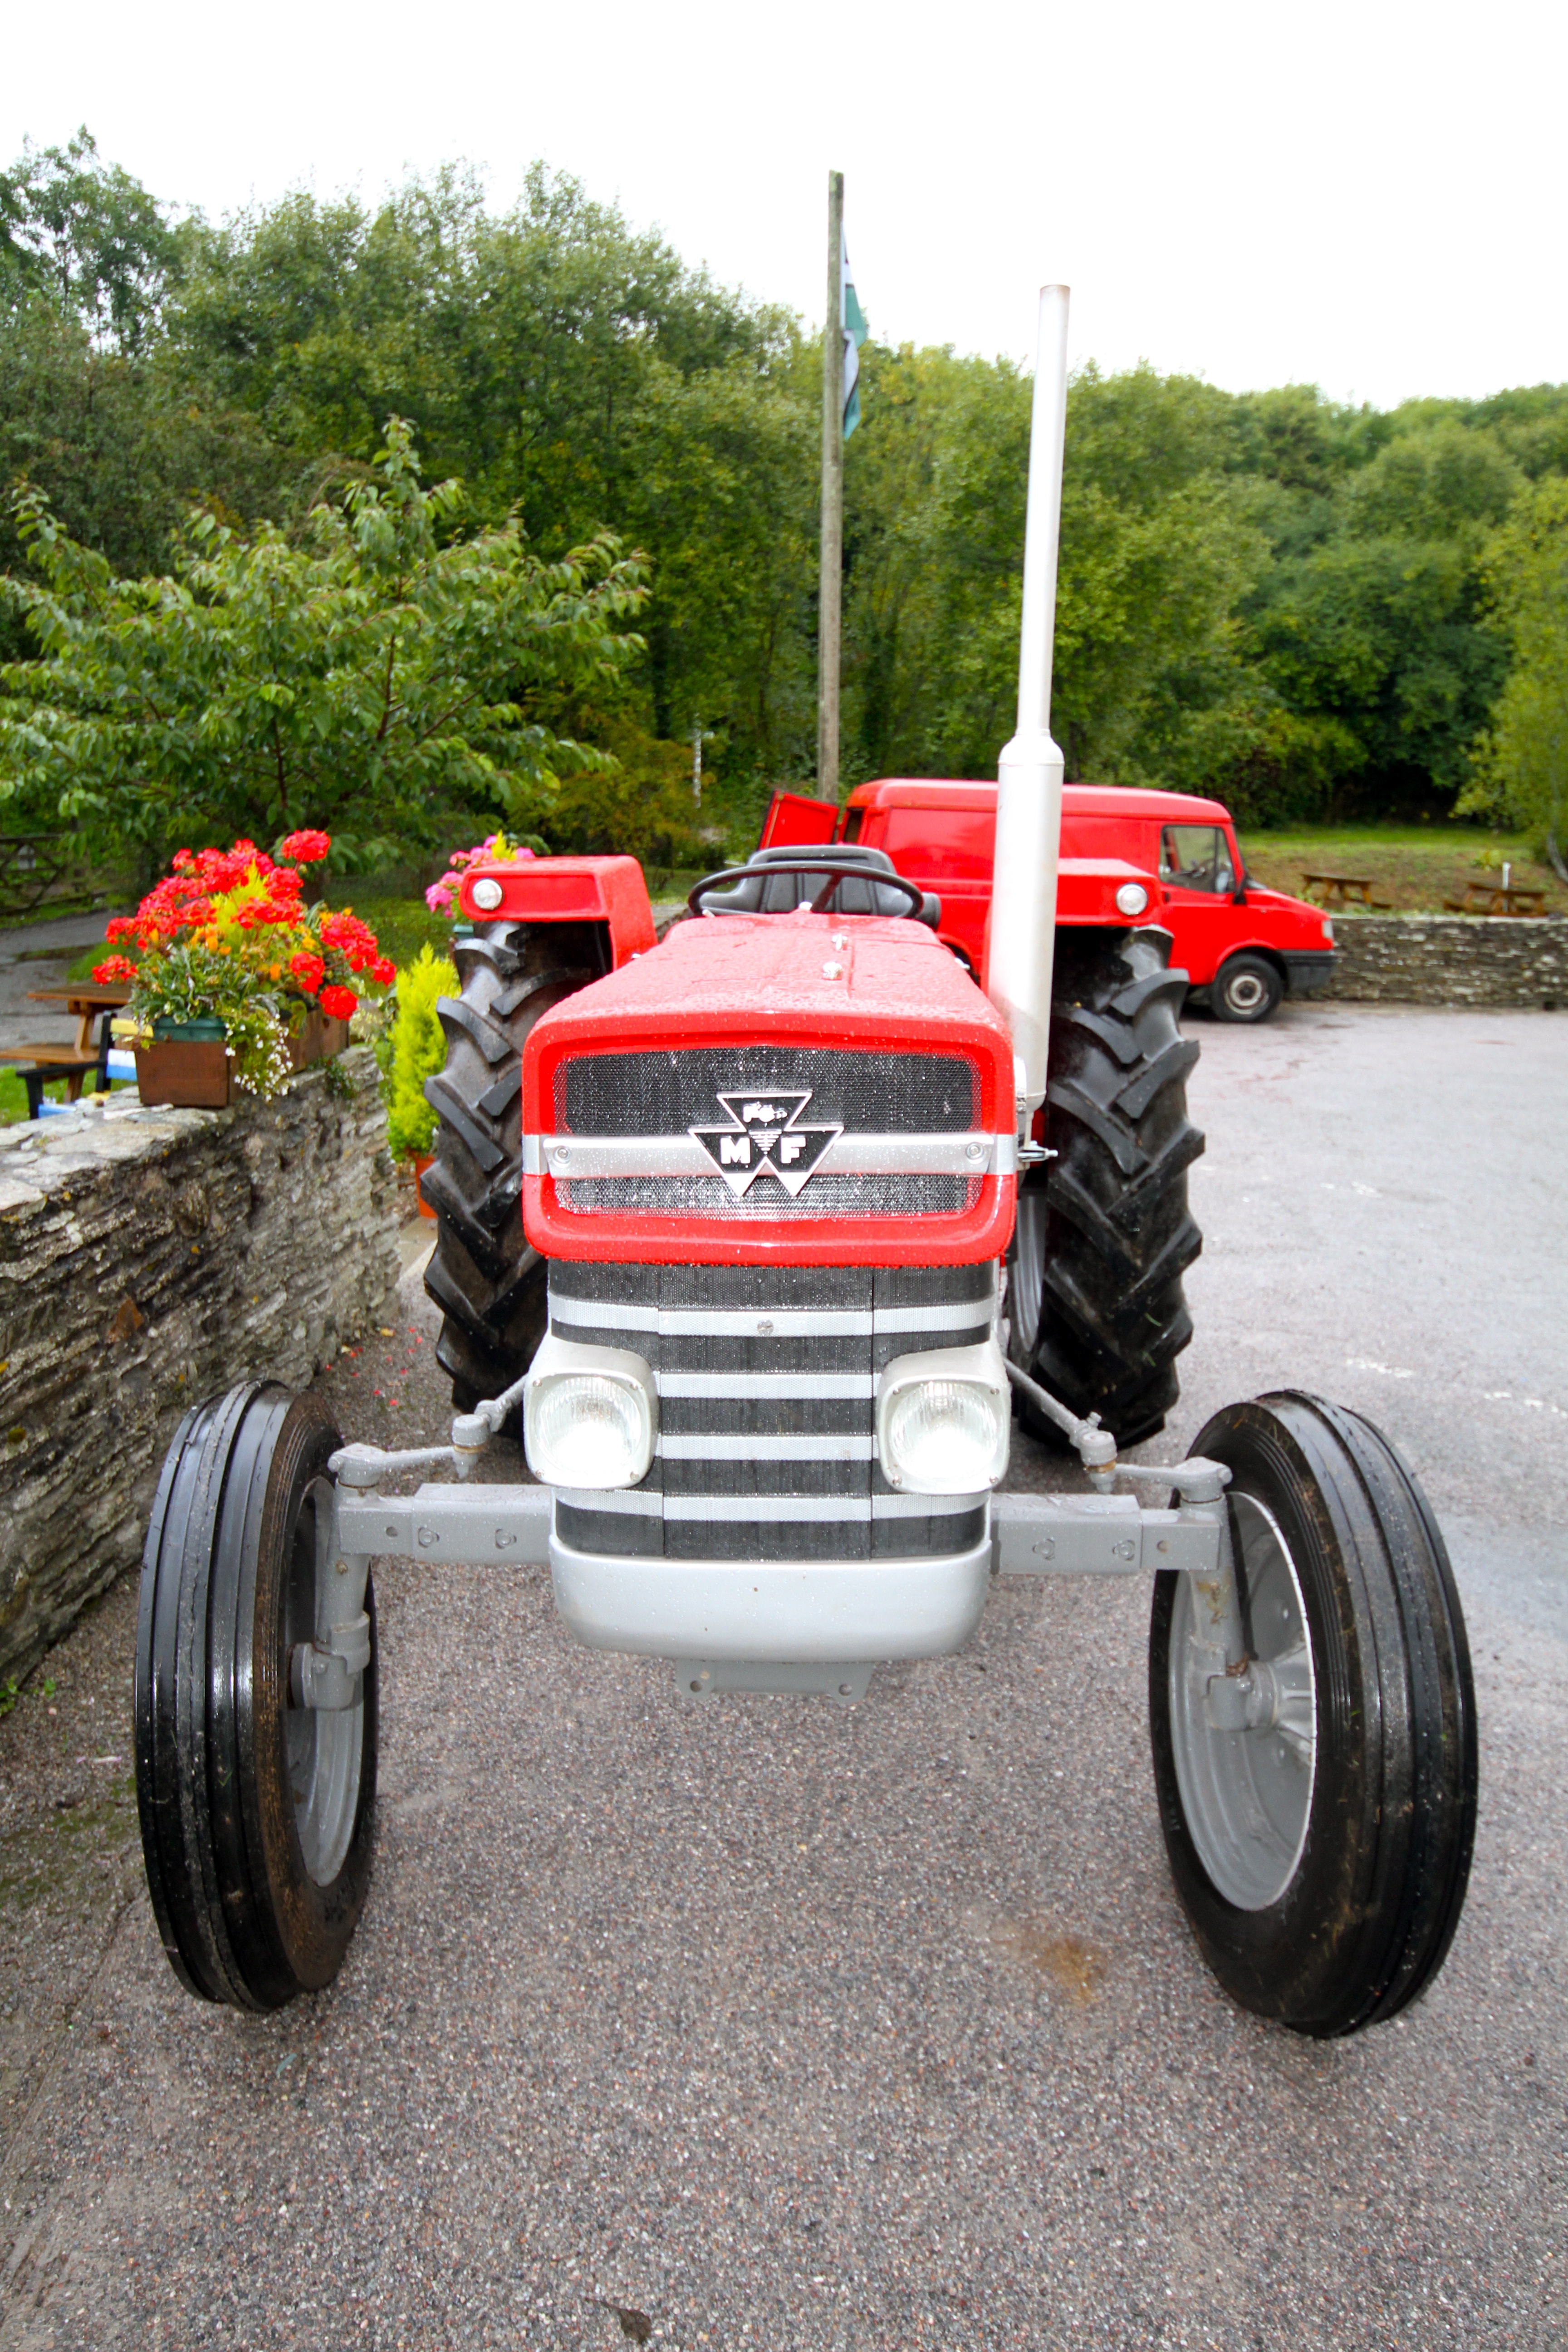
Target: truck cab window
[[853, 820], [1197, 857]]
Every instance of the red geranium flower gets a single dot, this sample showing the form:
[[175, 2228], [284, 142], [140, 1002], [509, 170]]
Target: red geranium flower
[[338, 1003], [383, 971], [305, 848], [114, 968], [307, 969]]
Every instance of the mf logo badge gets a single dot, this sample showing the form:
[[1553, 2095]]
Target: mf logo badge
[[764, 1135]]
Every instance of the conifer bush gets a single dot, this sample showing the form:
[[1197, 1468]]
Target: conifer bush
[[418, 1051]]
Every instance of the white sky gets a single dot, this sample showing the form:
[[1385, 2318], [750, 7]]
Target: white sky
[[1363, 194]]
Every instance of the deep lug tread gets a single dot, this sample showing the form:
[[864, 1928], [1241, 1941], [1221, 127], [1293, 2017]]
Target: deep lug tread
[[443, 1097], [487, 1035], [1119, 1235], [487, 1281]]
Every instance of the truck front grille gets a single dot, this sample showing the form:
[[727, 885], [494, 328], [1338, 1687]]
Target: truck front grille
[[767, 1378]]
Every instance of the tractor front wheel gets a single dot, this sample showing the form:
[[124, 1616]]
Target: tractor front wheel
[[1318, 1811], [1095, 1308], [255, 1809]]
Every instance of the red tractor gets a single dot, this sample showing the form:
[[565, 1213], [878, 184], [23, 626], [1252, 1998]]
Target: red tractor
[[759, 1235]]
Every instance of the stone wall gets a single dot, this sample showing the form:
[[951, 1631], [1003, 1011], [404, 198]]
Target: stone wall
[[148, 1259], [1452, 959]]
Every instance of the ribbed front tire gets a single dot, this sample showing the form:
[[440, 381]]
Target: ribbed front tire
[[1320, 1848], [1095, 1304], [487, 1281]]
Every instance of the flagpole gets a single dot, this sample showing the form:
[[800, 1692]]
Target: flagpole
[[831, 574]]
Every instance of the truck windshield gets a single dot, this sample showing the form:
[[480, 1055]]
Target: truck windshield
[[1197, 857]]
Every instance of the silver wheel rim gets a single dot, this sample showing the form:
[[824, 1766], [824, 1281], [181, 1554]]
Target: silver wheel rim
[[1027, 1276], [325, 1747], [1247, 1795], [1245, 993]]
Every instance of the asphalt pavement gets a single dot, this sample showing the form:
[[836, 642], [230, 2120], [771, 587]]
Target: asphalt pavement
[[772, 2023]]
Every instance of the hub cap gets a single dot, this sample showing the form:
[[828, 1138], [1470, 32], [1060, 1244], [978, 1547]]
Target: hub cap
[[325, 1747], [1245, 991], [1245, 1747]]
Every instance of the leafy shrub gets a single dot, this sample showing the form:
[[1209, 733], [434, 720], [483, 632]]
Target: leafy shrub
[[419, 1050]]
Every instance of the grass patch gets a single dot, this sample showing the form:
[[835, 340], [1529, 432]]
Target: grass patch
[[13, 1094], [1414, 867]]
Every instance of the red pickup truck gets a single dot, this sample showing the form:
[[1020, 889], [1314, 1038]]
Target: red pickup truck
[[1243, 947]]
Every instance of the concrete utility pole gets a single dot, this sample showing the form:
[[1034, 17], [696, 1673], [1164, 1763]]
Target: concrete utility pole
[[831, 593]]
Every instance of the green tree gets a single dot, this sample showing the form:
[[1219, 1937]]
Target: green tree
[[89, 237], [1520, 766], [382, 668]]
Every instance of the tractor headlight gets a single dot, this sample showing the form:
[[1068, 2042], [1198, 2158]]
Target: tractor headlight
[[1132, 898], [943, 1420], [590, 1415]]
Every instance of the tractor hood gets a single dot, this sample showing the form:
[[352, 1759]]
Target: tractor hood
[[795, 1089]]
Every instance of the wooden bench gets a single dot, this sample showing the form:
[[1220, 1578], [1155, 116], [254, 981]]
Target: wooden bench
[[1344, 890], [1486, 896], [38, 1065]]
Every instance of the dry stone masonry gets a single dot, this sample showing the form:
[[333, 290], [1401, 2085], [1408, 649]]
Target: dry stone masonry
[[149, 1258], [1452, 959]]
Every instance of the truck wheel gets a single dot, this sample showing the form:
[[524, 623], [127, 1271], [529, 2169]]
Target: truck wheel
[[487, 1281], [256, 1814], [1321, 1851], [1104, 1236], [1248, 989]]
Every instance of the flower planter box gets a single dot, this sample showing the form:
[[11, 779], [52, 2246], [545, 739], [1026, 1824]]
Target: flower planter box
[[318, 1041], [185, 1074], [187, 1067]]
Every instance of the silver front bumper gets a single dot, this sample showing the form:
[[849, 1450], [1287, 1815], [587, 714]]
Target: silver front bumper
[[800, 1610]]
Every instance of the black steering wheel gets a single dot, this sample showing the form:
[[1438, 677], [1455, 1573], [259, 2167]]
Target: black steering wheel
[[832, 870]]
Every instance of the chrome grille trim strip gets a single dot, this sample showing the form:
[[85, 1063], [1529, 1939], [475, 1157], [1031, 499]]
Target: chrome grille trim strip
[[773, 1323], [846, 1446], [969, 1153], [637, 1502], [830, 1385]]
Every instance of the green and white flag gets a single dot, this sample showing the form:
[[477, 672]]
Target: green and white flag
[[852, 319]]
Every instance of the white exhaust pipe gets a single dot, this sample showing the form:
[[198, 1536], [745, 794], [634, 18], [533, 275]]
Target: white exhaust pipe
[[1029, 774]]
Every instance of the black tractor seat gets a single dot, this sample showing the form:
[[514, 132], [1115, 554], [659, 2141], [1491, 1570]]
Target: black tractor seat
[[777, 881]]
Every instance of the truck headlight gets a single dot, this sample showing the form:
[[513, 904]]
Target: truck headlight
[[590, 1415], [943, 1420]]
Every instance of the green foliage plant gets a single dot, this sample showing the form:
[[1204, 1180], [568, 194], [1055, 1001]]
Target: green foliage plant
[[1520, 769], [418, 1051], [381, 662]]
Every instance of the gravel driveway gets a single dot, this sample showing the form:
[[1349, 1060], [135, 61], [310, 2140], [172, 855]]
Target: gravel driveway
[[764, 2022]]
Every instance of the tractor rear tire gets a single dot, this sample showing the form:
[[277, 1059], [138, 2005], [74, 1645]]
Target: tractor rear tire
[[1096, 1312], [487, 1281]]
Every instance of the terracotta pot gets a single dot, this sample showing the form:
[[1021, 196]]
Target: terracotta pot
[[422, 1161], [185, 1073]]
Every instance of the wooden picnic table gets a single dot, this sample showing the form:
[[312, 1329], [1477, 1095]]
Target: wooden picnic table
[[1343, 889], [87, 1001], [1488, 896]]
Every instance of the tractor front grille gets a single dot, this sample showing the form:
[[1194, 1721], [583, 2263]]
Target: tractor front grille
[[844, 1104], [767, 1379]]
